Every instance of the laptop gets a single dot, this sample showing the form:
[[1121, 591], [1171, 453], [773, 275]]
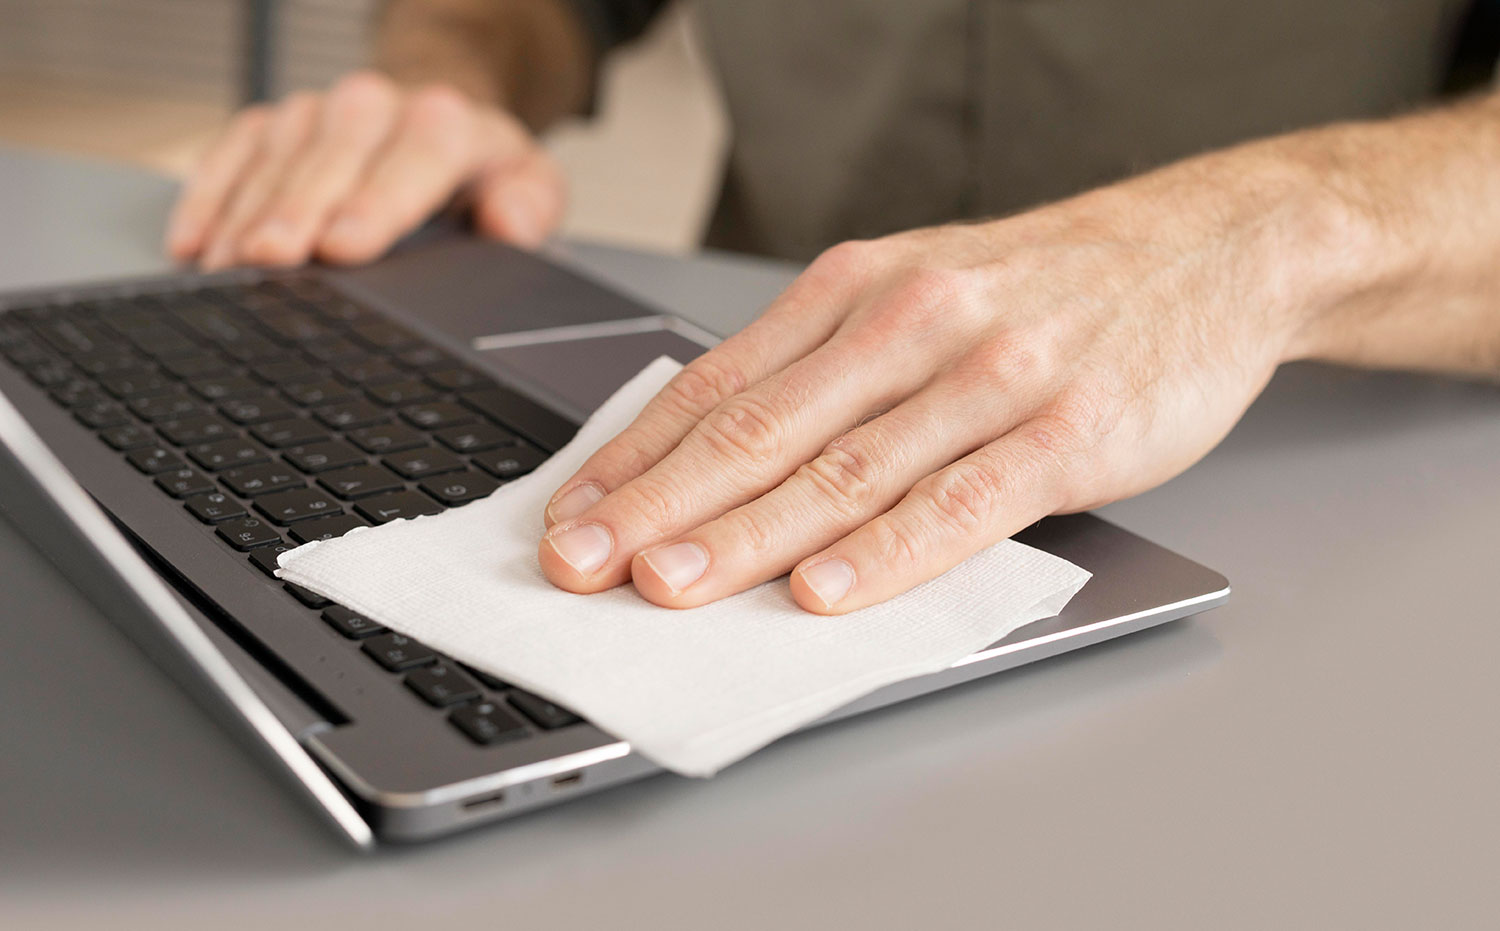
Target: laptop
[[162, 440]]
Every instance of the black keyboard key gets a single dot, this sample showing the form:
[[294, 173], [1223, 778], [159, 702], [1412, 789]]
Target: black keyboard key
[[334, 349], [490, 681], [100, 415], [544, 713], [195, 365], [397, 652], [436, 415], [75, 392], [476, 438], [227, 454], [161, 341], [214, 507], [201, 428], [419, 463], [288, 507], [265, 558], [522, 415], [488, 723], [360, 481], [286, 372], [104, 361], [307, 596], [321, 457], [165, 407], [224, 387], [395, 506], [459, 488], [153, 460], [382, 335], [458, 379], [386, 438], [250, 481], [253, 349], [138, 383], [127, 437], [247, 533], [294, 431], [510, 462], [256, 410], [442, 685], [426, 357], [370, 370], [318, 393], [51, 374], [350, 415], [351, 624], [405, 391], [184, 483], [293, 326], [71, 338], [326, 528]]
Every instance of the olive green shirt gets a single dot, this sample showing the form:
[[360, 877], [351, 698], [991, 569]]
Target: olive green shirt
[[856, 118]]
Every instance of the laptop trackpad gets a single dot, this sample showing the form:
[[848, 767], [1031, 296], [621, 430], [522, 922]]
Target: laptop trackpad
[[578, 375]]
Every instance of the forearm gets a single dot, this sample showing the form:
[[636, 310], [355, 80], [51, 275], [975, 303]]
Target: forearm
[[530, 56], [1404, 266]]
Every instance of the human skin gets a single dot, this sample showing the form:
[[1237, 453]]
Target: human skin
[[450, 114], [911, 400]]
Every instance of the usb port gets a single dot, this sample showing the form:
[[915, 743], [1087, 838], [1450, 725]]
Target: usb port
[[483, 801], [567, 780]]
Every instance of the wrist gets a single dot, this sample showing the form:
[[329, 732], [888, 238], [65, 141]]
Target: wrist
[[1280, 246]]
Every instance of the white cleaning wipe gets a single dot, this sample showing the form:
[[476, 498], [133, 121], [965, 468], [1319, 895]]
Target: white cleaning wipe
[[693, 690]]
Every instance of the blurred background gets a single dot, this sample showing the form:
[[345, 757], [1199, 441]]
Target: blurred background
[[149, 82]]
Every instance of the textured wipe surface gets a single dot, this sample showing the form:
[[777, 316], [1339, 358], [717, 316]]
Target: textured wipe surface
[[694, 690]]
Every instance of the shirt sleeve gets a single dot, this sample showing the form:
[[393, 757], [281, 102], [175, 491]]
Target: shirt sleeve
[[612, 23]]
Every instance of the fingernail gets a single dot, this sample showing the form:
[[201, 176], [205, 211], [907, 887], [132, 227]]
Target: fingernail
[[520, 220], [678, 565], [830, 580], [575, 502], [584, 547]]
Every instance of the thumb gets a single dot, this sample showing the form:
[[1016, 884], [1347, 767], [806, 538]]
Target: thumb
[[521, 200]]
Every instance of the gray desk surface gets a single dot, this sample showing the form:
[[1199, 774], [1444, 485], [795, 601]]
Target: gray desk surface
[[1323, 752]]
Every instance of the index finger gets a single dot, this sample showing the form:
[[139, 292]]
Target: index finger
[[796, 323], [207, 189]]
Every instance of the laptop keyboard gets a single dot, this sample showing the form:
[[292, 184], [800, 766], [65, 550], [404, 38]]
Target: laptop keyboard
[[281, 412]]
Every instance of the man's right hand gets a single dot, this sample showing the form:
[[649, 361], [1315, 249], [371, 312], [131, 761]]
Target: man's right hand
[[341, 175]]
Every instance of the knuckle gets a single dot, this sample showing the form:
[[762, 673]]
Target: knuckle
[[963, 498], [924, 301], [844, 474], [627, 454], [744, 428], [897, 546], [930, 288], [439, 105], [1074, 420], [703, 385], [646, 502], [846, 264], [752, 531], [1005, 360], [364, 88]]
